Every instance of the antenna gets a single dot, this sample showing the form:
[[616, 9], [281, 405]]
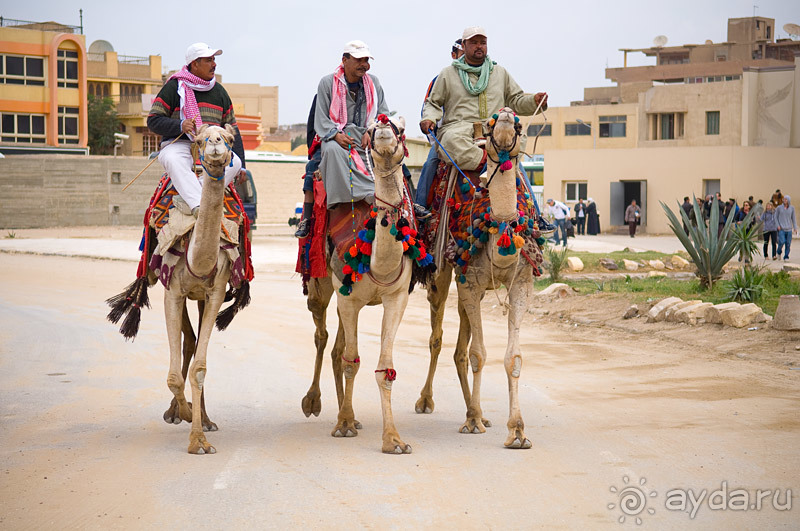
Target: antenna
[[660, 41], [792, 29]]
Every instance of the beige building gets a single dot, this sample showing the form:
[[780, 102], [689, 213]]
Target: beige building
[[256, 100], [685, 126]]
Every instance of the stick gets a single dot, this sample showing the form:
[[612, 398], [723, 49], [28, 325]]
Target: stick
[[149, 163]]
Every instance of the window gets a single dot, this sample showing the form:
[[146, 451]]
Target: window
[[584, 129], [712, 122], [99, 90], [612, 126], [22, 128], [21, 70], [68, 125], [67, 70], [150, 143], [546, 129], [575, 191], [665, 126]]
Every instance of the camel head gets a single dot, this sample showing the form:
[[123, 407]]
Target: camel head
[[503, 131], [214, 147], [387, 137]]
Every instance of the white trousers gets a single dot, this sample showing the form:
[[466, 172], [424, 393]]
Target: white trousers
[[176, 159]]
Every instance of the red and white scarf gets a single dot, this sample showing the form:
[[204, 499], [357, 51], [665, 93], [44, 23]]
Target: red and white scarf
[[338, 110], [189, 108]]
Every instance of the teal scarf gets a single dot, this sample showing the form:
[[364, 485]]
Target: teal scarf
[[482, 72]]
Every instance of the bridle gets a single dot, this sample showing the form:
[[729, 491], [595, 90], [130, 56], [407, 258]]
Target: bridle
[[401, 138], [517, 134], [203, 160]]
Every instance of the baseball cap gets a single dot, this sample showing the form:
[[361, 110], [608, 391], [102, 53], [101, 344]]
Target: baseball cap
[[357, 49], [472, 31], [198, 50]]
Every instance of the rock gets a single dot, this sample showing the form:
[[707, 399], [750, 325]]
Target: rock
[[668, 265], [669, 313], [713, 314], [642, 263], [652, 274], [740, 317], [657, 312], [556, 290], [791, 267], [762, 318], [678, 262], [630, 265], [609, 264], [575, 263], [631, 312], [787, 315], [691, 314], [656, 264]]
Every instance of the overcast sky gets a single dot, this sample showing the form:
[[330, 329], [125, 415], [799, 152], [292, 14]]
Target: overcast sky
[[558, 47]]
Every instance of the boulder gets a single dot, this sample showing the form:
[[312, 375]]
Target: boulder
[[691, 314], [575, 263], [652, 274], [556, 290], [669, 313], [631, 312], [630, 265], [656, 264], [791, 267], [740, 317], [609, 264], [657, 312], [787, 315], [714, 313], [678, 262]]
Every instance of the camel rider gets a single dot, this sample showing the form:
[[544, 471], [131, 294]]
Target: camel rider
[[348, 100], [472, 88], [190, 98]]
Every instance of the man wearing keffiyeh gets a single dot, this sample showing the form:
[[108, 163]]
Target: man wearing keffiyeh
[[348, 100], [190, 98]]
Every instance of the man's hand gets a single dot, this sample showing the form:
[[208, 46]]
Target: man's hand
[[343, 140], [540, 97], [240, 178], [365, 141], [188, 126], [426, 126]]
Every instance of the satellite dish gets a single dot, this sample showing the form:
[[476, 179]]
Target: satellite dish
[[660, 41], [100, 47], [792, 29]]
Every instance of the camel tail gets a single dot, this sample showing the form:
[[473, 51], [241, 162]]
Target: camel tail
[[241, 298], [423, 275]]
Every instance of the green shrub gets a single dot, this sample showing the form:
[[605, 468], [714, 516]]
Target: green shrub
[[558, 260], [746, 285]]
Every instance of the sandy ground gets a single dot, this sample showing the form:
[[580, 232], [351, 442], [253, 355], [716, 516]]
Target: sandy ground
[[609, 405]]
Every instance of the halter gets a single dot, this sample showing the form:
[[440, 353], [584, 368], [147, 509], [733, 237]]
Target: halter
[[500, 152], [401, 138], [203, 161]]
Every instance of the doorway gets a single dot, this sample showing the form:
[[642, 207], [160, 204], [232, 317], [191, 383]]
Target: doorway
[[622, 193]]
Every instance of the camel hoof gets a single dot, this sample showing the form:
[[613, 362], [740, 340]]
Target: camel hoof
[[311, 404], [487, 423], [345, 429], [473, 426], [358, 425], [516, 444], [201, 447], [398, 450], [424, 405], [209, 426]]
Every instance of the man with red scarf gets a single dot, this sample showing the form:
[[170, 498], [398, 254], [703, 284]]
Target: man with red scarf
[[348, 100], [190, 98]]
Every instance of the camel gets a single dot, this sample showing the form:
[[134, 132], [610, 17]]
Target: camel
[[387, 282], [489, 268]]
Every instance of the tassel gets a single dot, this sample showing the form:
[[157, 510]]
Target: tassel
[[241, 298], [507, 165], [130, 326]]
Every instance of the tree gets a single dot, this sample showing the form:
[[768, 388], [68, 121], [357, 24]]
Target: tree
[[103, 123], [298, 141]]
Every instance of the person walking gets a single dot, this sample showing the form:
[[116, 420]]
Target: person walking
[[580, 217], [632, 214], [787, 224], [592, 218], [769, 221], [559, 211]]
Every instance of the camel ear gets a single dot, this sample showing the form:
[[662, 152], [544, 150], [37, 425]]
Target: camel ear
[[200, 133], [231, 131], [400, 123]]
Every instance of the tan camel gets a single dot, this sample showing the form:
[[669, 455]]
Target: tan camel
[[386, 283], [487, 270], [202, 276]]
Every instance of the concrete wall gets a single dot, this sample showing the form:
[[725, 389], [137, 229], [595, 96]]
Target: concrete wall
[[672, 174]]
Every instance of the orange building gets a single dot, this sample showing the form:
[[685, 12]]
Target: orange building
[[43, 89]]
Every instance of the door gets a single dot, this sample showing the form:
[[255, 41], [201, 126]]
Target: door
[[617, 204]]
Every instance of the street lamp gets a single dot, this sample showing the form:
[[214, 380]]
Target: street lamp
[[594, 140]]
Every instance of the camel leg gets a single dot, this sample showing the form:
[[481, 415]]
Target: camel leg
[[319, 297], [174, 307], [207, 424], [393, 309], [518, 299], [437, 299], [471, 299], [348, 317], [197, 372], [172, 414]]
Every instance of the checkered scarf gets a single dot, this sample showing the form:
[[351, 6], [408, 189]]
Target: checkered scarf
[[189, 108], [338, 110]]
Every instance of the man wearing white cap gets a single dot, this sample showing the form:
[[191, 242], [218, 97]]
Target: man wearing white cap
[[472, 88], [190, 98], [348, 100]]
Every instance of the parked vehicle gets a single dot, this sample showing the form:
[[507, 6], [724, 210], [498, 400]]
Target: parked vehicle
[[247, 191]]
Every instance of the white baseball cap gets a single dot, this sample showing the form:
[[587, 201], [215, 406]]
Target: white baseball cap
[[357, 49], [198, 50], [472, 31]]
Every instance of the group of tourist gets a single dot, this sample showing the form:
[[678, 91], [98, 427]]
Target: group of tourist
[[775, 218], [584, 220]]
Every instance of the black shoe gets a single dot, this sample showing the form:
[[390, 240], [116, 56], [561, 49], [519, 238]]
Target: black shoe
[[420, 212], [303, 228], [544, 226]]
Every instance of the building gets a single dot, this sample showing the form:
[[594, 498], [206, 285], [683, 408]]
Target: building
[[706, 118], [131, 82], [256, 100], [43, 88]]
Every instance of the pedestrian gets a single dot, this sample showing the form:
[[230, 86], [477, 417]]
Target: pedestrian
[[770, 224], [777, 198], [632, 216], [580, 217], [592, 218], [787, 224], [687, 208], [559, 211], [739, 218]]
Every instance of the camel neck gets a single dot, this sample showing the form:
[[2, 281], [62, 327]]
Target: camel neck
[[203, 249]]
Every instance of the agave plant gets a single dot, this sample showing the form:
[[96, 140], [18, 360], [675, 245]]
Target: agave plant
[[709, 250], [745, 236], [747, 284], [558, 260]]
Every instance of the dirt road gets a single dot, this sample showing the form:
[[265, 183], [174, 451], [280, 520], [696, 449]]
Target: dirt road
[[83, 444]]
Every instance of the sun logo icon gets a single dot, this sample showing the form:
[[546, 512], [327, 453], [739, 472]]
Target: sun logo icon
[[632, 500]]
